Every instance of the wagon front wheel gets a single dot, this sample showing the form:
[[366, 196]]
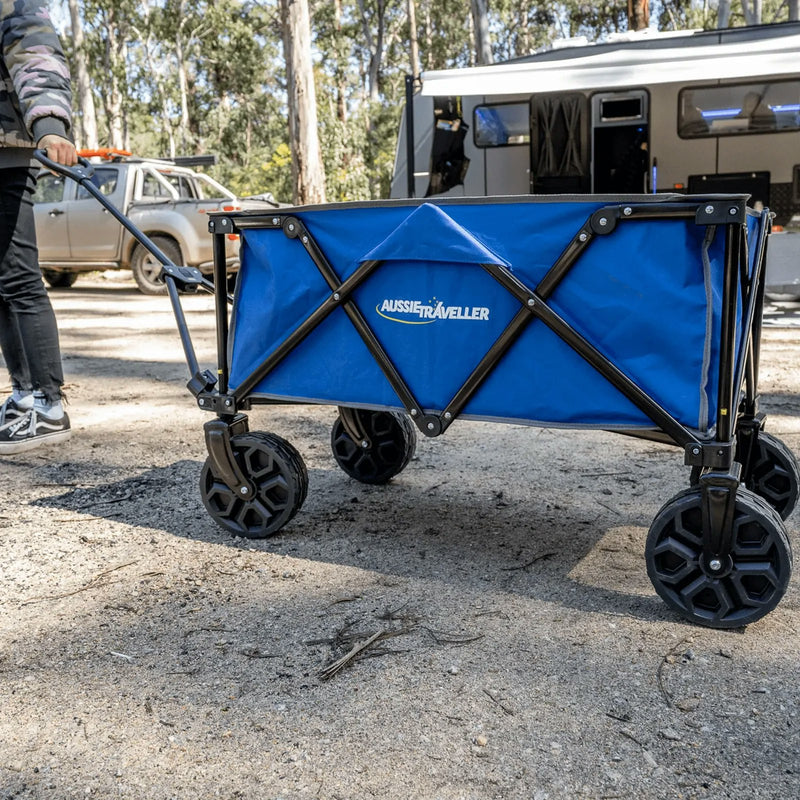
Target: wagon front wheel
[[751, 584], [279, 478], [388, 444]]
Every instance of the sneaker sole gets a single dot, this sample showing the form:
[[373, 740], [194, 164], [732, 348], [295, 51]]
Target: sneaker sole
[[10, 448]]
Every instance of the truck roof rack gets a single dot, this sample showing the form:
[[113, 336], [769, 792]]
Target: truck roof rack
[[116, 154]]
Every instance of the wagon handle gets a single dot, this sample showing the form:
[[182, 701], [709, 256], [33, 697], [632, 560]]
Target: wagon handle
[[171, 272], [79, 174]]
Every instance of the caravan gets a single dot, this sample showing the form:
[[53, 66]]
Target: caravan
[[696, 112]]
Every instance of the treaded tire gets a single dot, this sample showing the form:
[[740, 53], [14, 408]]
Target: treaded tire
[[774, 474], [393, 440], [280, 478], [58, 279], [761, 561], [146, 267]]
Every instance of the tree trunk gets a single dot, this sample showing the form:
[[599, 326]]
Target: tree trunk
[[341, 85], [752, 12], [157, 78], [724, 13], [480, 21], [375, 46], [307, 173], [412, 37], [87, 114], [183, 83], [638, 14], [113, 100], [794, 10]]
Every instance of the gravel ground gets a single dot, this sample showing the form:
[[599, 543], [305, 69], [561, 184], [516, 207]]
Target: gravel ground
[[146, 654]]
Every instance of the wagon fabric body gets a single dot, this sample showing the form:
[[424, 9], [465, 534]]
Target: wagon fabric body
[[648, 297], [637, 314]]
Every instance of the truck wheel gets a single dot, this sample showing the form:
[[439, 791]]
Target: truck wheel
[[147, 268], [59, 280]]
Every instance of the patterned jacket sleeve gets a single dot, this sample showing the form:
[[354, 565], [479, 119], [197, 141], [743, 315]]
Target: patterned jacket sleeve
[[35, 61]]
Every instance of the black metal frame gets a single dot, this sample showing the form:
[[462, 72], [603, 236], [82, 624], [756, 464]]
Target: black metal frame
[[738, 420]]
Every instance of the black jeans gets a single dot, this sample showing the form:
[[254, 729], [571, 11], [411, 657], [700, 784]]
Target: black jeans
[[28, 330]]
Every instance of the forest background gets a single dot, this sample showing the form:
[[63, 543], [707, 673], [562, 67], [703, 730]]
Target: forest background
[[226, 77]]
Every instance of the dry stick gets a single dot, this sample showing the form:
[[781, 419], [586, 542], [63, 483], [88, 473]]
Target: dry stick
[[332, 669], [506, 709], [91, 585], [660, 678], [530, 563]]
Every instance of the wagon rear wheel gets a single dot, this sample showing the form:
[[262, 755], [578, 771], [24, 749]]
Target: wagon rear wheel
[[746, 589], [279, 478], [773, 474], [391, 440]]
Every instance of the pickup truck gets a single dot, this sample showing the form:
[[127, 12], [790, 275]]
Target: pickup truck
[[165, 199]]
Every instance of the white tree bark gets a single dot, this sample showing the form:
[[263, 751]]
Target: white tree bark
[[412, 36], [794, 10], [724, 13], [87, 114], [184, 135], [307, 172], [480, 21], [752, 12]]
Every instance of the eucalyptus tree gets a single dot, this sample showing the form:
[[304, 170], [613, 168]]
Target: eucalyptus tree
[[86, 113]]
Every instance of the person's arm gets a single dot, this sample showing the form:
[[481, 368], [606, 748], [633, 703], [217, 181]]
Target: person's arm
[[35, 60]]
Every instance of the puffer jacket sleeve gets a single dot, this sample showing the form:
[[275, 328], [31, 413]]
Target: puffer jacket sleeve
[[35, 61]]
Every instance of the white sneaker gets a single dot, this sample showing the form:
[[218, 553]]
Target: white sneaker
[[30, 429]]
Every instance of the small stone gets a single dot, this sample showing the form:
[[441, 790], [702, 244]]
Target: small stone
[[454, 670], [687, 703], [649, 758], [670, 735], [481, 740]]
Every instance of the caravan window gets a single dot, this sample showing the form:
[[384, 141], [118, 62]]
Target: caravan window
[[502, 124], [739, 109]]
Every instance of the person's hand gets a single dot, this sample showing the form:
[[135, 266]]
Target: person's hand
[[59, 149]]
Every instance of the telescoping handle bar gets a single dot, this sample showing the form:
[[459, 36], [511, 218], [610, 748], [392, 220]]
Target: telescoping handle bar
[[173, 275]]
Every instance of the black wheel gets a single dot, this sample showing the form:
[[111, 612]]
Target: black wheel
[[773, 474], [59, 280], [392, 438], [281, 484], [746, 589], [146, 267]]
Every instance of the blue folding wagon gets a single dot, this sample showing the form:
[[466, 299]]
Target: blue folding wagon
[[640, 315]]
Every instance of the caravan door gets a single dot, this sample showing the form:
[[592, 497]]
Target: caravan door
[[620, 141], [560, 144]]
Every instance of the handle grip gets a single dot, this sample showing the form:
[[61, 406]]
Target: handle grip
[[82, 172]]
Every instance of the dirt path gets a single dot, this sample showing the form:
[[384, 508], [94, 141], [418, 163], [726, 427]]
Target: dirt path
[[145, 654]]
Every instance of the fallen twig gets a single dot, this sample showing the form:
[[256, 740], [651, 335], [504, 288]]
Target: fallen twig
[[93, 583], [339, 664], [659, 672], [505, 708], [441, 637], [530, 563]]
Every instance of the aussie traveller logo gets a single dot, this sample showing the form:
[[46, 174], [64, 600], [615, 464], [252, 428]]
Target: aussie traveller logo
[[415, 312]]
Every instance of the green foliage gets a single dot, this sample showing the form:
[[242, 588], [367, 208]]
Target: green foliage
[[235, 98]]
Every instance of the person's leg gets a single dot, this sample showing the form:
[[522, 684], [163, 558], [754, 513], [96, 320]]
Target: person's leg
[[29, 337]]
